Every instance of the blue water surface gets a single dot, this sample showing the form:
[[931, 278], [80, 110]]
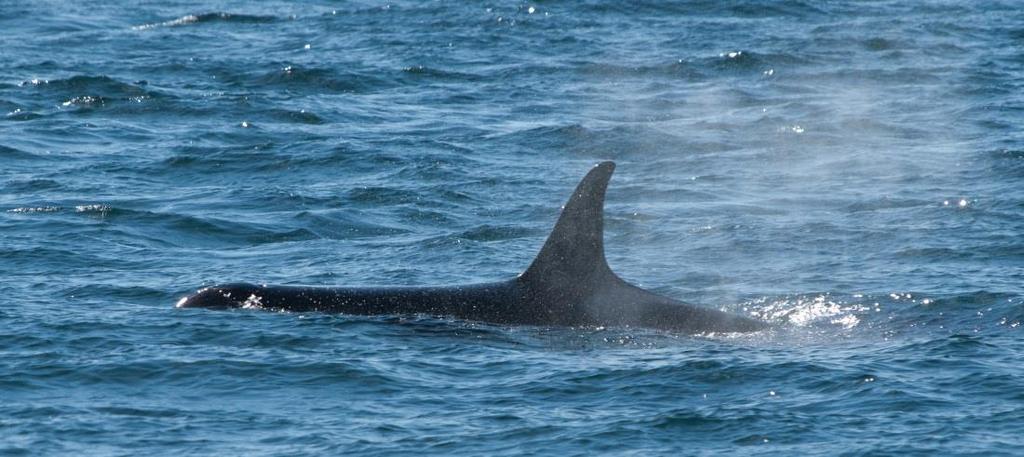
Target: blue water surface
[[848, 170]]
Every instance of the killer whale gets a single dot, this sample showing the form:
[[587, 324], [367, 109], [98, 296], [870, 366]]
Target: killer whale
[[569, 283]]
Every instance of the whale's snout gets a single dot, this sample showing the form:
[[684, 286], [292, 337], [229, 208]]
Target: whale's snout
[[218, 297]]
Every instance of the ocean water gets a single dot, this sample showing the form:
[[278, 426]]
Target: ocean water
[[849, 171]]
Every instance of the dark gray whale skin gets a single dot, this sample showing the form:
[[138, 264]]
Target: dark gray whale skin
[[568, 284]]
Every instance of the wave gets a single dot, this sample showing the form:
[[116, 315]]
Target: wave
[[680, 69], [741, 62], [885, 202], [8, 152], [756, 9], [97, 84], [376, 196], [85, 209], [85, 93], [205, 18], [338, 225], [312, 79], [419, 72], [617, 142], [487, 232], [294, 116], [175, 229], [20, 114], [746, 62], [35, 209], [269, 156], [127, 292], [30, 185]]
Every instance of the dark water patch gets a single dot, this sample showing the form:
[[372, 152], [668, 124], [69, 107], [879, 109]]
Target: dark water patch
[[451, 193], [140, 412], [678, 69], [754, 10], [541, 70], [31, 185], [881, 44], [957, 348], [421, 216], [619, 142], [747, 62], [29, 412], [967, 301], [1005, 161], [937, 253], [797, 9], [382, 196], [905, 75], [247, 158], [36, 66], [296, 116], [487, 233]]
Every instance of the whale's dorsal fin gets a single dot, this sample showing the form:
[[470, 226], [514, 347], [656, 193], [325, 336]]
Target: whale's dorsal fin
[[574, 251]]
